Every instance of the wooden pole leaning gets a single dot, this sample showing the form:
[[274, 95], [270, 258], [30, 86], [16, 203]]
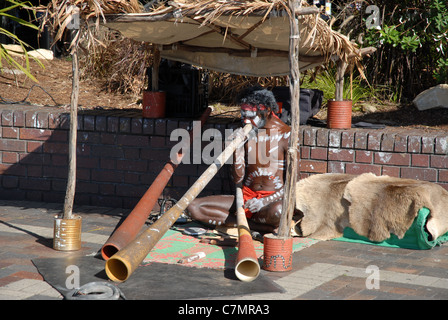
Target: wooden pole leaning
[[121, 265], [247, 267]]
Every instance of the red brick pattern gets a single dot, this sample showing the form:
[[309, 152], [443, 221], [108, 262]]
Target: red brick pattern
[[421, 155], [120, 153]]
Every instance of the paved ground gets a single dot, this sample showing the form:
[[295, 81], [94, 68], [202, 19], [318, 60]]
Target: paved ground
[[327, 270]]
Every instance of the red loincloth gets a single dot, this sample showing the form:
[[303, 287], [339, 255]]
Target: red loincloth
[[248, 193]]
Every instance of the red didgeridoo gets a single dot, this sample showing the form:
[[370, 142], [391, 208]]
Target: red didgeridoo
[[133, 223]]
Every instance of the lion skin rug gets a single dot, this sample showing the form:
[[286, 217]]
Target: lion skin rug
[[374, 207]]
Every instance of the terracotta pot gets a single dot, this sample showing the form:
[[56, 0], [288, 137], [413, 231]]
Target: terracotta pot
[[339, 114], [154, 104], [277, 253]]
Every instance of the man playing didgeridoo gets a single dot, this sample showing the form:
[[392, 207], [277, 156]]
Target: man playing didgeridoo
[[260, 166]]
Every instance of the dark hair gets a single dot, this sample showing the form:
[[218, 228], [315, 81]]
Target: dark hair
[[257, 95]]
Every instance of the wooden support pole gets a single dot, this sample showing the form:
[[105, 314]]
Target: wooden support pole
[[71, 180], [340, 71], [155, 69], [292, 156]]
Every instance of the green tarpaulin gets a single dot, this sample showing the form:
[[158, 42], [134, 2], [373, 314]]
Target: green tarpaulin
[[415, 238]]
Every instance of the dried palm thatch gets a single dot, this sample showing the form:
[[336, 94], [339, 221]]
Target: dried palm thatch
[[315, 30], [57, 14], [120, 64], [319, 41], [208, 11], [224, 35], [58, 11]]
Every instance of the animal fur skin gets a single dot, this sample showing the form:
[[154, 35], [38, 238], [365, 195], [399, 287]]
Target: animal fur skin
[[381, 205], [320, 200], [373, 206]]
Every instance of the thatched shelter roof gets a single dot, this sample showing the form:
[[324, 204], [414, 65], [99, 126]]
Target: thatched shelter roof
[[238, 37]]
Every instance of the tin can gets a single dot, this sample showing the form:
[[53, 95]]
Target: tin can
[[67, 233], [277, 253]]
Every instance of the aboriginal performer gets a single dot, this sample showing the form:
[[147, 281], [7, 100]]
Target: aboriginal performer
[[259, 164]]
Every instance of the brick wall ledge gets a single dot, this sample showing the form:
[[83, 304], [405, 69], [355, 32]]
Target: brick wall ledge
[[120, 153]]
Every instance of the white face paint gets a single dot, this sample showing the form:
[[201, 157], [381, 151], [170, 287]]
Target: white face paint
[[250, 115], [252, 119], [247, 115]]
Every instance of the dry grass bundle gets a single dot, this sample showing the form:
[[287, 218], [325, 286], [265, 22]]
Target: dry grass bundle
[[120, 64]]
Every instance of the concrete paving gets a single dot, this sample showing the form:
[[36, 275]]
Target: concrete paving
[[327, 270]]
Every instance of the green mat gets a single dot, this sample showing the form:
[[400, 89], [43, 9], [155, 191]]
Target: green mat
[[415, 238]]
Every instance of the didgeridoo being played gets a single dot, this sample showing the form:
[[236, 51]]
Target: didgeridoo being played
[[247, 267], [122, 264], [134, 222]]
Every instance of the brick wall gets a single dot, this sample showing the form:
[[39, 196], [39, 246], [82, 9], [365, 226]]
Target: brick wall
[[120, 154], [398, 152]]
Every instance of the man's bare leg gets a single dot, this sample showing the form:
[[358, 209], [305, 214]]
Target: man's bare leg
[[214, 210], [219, 210]]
